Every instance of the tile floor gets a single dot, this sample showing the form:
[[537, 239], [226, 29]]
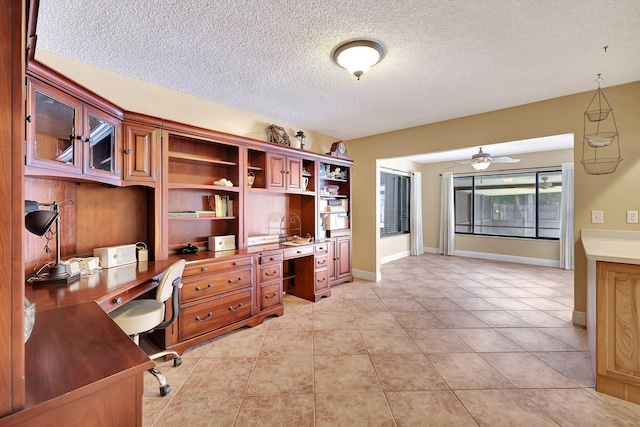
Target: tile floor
[[440, 340]]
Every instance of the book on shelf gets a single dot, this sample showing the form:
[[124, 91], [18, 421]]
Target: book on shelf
[[183, 214], [222, 205], [206, 214]]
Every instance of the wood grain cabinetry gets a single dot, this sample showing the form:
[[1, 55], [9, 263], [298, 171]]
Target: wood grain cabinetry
[[339, 259], [140, 147], [69, 138], [270, 280], [284, 172], [618, 330]]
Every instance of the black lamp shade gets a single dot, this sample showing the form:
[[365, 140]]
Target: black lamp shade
[[39, 222]]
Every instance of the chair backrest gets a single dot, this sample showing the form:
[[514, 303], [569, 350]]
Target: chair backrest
[[166, 288]]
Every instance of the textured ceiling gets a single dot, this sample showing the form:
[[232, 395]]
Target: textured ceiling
[[444, 58]]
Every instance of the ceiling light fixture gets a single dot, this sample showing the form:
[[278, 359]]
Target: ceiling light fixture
[[358, 56]]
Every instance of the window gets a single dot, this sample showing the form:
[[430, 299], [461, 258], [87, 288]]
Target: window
[[394, 204], [513, 205]]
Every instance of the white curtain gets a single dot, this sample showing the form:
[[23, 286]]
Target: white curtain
[[566, 218], [417, 248], [447, 217]]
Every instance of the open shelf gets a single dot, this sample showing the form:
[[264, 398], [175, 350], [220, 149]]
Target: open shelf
[[185, 157], [188, 186]]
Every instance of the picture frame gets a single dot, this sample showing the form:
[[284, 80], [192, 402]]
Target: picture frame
[[277, 135]]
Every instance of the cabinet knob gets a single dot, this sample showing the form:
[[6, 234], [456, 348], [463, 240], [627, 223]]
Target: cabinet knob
[[235, 264], [204, 269], [127, 151], [117, 301], [29, 119], [82, 138]]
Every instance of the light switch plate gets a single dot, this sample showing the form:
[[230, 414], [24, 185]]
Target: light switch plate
[[597, 217], [632, 217]]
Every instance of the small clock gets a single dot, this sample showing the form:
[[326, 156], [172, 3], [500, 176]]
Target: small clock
[[339, 149]]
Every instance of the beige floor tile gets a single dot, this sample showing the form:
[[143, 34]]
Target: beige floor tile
[[294, 320], [366, 305], [486, 292], [352, 409], [438, 303], [226, 376], [517, 292], [508, 303], [503, 408], [406, 372], [456, 293], [543, 303], [486, 340], [423, 292], [467, 371], [539, 319], [402, 304], [573, 365], [474, 303], [575, 336], [359, 292], [287, 341], [390, 291], [533, 339], [438, 341], [338, 342], [386, 341], [524, 370], [376, 320], [420, 320], [209, 410], [428, 408], [565, 315], [459, 319], [323, 320], [282, 375], [344, 374], [499, 319], [332, 305], [276, 411], [245, 342], [578, 407]]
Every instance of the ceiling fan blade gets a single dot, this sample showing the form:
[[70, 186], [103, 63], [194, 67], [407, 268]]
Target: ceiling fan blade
[[464, 162], [504, 159]]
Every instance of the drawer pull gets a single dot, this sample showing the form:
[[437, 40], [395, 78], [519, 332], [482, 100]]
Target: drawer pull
[[321, 280], [271, 274], [324, 261], [237, 281], [275, 294], [235, 264], [235, 309], [199, 289], [209, 315], [117, 301], [204, 269], [299, 252], [271, 259]]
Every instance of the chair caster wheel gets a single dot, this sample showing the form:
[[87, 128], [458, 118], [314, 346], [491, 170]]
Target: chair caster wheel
[[177, 361], [165, 389]]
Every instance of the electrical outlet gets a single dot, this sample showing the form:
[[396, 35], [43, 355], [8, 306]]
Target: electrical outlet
[[632, 217], [597, 217]]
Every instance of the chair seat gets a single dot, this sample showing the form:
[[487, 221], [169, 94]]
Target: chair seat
[[139, 316]]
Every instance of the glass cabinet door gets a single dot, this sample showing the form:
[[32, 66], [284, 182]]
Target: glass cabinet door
[[53, 120], [102, 143]]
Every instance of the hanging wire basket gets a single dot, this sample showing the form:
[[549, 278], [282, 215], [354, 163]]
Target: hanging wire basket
[[601, 139], [597, 115], [601, 166]]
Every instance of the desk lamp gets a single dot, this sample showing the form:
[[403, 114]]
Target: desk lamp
[[39, 222]]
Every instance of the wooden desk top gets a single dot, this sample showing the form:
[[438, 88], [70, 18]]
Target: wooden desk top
[[102, 286]]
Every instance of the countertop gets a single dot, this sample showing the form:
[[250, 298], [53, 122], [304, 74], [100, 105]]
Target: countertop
[[611, 245]]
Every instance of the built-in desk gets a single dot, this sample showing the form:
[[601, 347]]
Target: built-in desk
[[81, 369]]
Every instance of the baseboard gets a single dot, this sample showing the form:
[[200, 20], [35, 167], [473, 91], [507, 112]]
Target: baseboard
[[579, 318], [367, 275], [509, 258], [394, 257]]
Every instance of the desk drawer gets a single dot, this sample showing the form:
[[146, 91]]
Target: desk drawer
[[321, 280], [271, 258], [321, 248], [270, 272], [213, 313], [298, 252], [213, 266], [215, 284], [321, 261], [270, 295]]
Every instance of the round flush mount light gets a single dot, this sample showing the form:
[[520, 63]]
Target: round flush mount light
[[358, 56]]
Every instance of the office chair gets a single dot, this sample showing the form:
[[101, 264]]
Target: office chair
[[145, 315]]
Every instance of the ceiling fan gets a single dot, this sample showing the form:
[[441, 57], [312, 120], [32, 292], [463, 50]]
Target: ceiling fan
[[481, 160]]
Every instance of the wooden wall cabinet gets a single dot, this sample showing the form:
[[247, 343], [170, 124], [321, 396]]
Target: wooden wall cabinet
[[69, 138], [269, 280], [140, 147], [284, 172], [618, 330]]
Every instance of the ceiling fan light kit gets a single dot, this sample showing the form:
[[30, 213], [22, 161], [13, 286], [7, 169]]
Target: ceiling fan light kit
[[600, 132], [481, 160], [358, 56]]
